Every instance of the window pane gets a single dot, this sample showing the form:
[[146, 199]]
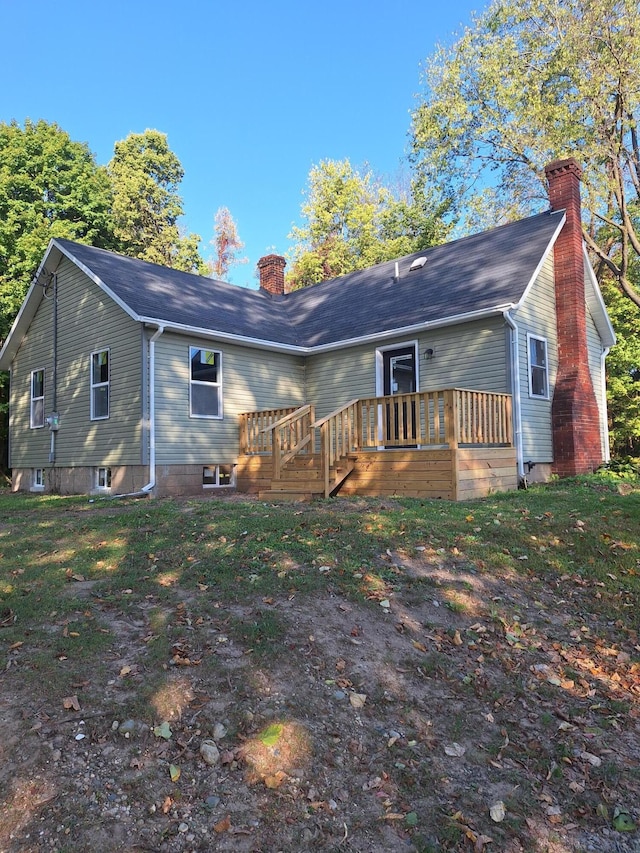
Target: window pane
[[204, 365], [538, 352], [101, 402], [37, 383], [100, 367], [37, 413], [204, 400], [539, 381]]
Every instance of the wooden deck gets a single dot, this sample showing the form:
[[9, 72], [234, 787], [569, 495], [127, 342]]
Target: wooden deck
[[453, 444]]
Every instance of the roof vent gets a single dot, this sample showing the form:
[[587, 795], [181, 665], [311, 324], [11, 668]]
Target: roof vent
[[418, 263]]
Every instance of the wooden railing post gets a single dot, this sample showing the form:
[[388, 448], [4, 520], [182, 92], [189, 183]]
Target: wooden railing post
[[276, 446], [244, 443], [451, 428]]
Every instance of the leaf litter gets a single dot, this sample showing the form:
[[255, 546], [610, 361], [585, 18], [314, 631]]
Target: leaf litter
[[490, 726]]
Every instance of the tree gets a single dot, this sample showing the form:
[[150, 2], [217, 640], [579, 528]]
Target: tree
[[529, 82], [50, 186], [227, 244], [145, 175], [353, 222], [623, 374]]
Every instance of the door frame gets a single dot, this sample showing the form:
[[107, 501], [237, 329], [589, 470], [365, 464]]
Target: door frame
[[380, 352], [380, 363]]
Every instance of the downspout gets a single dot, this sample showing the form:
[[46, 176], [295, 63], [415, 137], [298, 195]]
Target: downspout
[[152, 415], [515, 390], [606, 449]]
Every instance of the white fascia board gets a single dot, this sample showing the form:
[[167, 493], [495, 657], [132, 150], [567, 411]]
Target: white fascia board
[[597, 306], [97, 280], [541, 262], [25, 314], [293, 349]]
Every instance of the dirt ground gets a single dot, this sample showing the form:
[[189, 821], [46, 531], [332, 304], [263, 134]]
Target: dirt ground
[[397, 724]]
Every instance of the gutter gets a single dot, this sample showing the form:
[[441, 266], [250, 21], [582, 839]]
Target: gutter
[[515, 390]]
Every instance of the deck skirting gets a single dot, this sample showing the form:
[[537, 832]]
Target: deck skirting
[[445, 473]]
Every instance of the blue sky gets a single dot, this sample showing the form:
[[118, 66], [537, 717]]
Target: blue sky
[[250, 94]]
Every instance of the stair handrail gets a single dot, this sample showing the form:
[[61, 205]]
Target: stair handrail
[[279, 455], [338, 430]]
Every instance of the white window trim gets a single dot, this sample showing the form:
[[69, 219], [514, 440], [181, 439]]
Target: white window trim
[[32, 424], [37, 482], [217, 385], [532, 337], [95, 385], [217, 485]]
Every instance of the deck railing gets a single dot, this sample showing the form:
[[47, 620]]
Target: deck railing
[[446, 418]]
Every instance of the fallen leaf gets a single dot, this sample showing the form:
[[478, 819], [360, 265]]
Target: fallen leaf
[[166, 806], [223, 825], [174, 772], [163, 730], [126, 670], [70, 703], [456, 750], [271, 735], [622, 821], [275, 780], [357, 699], [419, 646], [457, 639], [498, 812]]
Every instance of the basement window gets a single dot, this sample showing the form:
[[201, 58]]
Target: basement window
[[216, 476], [538, 367], [37, 480], [103, 479]]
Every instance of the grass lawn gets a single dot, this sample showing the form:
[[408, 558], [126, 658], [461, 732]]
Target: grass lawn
[[369, 675]]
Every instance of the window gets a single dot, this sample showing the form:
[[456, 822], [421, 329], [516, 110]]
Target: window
[[37, 480], [37, 399], [100, 385], [214, 476], [205, 385], [538, 368], [103, 479]]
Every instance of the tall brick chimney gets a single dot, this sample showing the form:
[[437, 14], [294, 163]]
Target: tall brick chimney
[[577, 446], [272, 274]]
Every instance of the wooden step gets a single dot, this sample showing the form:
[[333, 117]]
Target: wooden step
[[286, 495], [298, 485]]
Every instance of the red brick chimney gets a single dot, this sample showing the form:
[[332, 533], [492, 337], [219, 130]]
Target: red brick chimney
[[272, 274], [577, 446]]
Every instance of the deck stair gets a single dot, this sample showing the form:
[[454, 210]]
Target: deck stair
[[301, 478]]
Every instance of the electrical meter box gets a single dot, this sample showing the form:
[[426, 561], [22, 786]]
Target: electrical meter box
[[53, 421]]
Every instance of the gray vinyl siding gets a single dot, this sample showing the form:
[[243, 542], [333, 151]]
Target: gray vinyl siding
[[87, 321], [252, 379], [471, 355], [537, 316]]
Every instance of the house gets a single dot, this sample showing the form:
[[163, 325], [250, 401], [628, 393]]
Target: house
[[449, 373]]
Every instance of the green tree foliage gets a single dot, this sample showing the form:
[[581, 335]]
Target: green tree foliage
[[531, 81], [145, 175], [623, 374], [352, 222], [50, 187], [227, 244]]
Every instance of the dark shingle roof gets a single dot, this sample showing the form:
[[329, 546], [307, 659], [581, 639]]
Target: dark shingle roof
[[475, 274]]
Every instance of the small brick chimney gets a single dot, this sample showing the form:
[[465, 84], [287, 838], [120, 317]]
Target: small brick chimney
[[577, 446], [271, 269]]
